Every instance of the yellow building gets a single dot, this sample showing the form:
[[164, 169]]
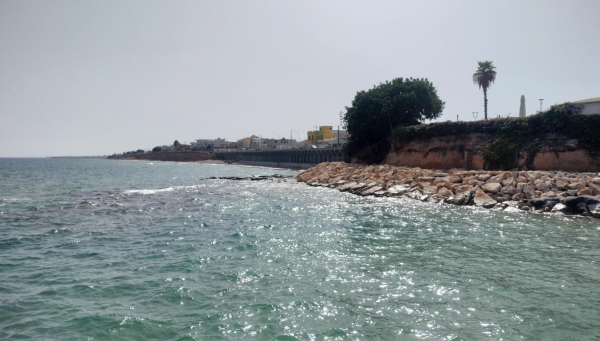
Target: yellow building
[[317, 136]]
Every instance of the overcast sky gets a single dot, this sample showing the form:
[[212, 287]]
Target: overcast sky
[[97, 77]]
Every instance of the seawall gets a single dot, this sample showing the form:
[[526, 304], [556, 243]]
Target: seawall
[[167, 156], [286, 165], [557, 192]]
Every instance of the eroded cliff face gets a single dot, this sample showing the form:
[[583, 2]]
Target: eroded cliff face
[[442, 152], [554, 152]]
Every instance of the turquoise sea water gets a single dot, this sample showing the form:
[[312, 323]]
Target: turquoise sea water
[[95, 249]]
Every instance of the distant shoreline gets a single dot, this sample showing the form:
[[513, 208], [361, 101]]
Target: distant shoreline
[[292, 166]]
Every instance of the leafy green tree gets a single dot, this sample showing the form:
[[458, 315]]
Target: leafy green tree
[[156, 149], [375, 113], [176, 143], [484, 77]]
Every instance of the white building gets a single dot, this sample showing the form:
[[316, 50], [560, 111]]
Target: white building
[[219, 143], [202, 143], [590, 105]]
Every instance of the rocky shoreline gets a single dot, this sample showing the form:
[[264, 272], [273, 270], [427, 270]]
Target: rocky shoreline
[[568, 193]]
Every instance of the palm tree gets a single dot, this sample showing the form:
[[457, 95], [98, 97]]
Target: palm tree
[[484, 77]]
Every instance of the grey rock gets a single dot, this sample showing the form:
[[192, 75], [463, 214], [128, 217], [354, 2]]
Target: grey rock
[[510, 190], [543, 186], [499, 197]]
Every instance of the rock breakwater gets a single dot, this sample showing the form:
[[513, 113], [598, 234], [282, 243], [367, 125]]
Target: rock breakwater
[[560, 192]]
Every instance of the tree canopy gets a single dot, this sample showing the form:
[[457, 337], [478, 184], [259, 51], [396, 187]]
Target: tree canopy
[[375, 113], [484, 76]]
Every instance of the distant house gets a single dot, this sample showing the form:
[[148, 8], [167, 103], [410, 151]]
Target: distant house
[[277, 143], [219, 143], [247, 142], [590, 105], [203, 143], [326, 135]]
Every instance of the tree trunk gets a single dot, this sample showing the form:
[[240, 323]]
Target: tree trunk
[[485, 102]]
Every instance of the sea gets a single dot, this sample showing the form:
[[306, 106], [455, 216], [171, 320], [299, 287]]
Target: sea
[[96, 249]]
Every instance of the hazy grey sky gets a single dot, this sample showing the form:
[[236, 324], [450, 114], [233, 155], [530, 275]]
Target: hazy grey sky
[[97, 77]]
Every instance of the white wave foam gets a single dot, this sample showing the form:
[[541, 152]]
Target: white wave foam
[[149, 191], [168, 189]]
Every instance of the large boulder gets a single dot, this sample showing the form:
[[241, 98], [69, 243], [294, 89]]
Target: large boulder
[[455, 179], [543, 186], [519, 197], [441, 179], [562, 185], [529, 191], [594, 210], [594, 188], [459, 199], [492, 187], [499, 197], [560, 208], [462, 189], [483, 200], [510, 190], [508, 182], [397, 190], [430, 190], [371, 190], [483, 177], [444, 192], [576, 185]]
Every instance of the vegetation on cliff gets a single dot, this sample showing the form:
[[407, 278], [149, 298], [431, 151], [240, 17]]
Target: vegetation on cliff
[[374, 114], [512, 135]]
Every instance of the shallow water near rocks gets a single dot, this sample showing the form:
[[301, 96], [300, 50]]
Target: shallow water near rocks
[[94, 249]]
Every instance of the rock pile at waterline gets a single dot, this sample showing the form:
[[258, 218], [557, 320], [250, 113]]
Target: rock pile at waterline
[[545, 191]]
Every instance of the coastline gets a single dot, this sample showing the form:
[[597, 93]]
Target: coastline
[[559, 192], [282, 165]]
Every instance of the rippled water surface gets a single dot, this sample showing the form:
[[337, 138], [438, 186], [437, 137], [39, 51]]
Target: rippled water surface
[[95, 249]]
